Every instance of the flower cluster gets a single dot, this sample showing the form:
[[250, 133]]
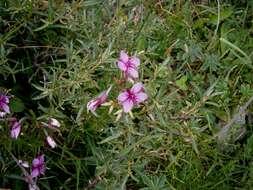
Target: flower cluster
[[38, 168], [38, 164], [128, 98]]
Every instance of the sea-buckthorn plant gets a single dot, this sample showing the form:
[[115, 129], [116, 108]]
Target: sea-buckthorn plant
[[104, 95]]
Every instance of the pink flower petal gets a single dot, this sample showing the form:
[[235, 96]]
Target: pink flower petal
[[135, 61], [51, 142], [36, 162], [136, 88], [92, 105], [23, 163], [122, 66], [100, 99], [35, 172], [15, 130], [6, 108], [54, 122], [6, 99], [2, 114], [132, 73], [127, 105], [141, 97], [123, 56], [15, 133], [123, 96], [41, 159]]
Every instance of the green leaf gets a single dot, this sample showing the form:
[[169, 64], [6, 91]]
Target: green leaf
[[181, 83], [225, 13], [17, 105], [114, 136]]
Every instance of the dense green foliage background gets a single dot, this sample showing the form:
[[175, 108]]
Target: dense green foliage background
[[196, 65]]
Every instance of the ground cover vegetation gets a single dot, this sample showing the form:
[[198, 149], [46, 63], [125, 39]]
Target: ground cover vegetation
[[125, 94]]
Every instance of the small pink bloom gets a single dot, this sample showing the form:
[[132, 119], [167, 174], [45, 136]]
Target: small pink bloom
[[2, 114], [54, 123], [51, 142], [4, 101], [23, 163], [96, 102], [38, 166], [16, 127], [133, 96], [129, 65]]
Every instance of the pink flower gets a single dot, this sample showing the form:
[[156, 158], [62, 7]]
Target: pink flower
[[16, 127], [51, 142], [38, 166], [129, 65], [133, 96], [96, 102], [2, 114], [23, 163], [54, 123], [4, 107]]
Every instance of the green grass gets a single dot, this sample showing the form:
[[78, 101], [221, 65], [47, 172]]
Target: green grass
[[196, 65]]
